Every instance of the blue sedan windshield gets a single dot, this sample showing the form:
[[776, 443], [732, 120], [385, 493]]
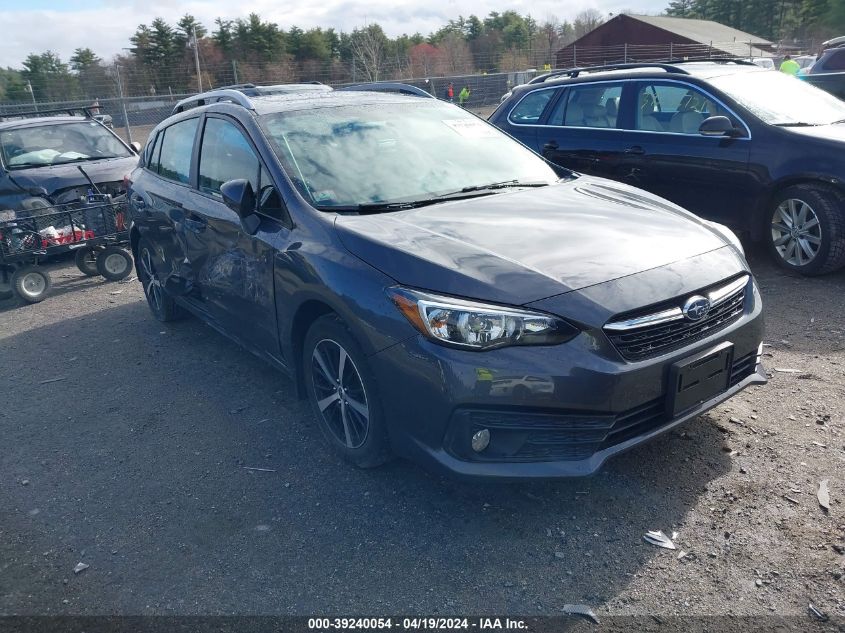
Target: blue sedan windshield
[[779, 99]]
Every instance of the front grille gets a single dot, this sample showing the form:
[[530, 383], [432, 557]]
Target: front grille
[[570, 436], [647, 341]]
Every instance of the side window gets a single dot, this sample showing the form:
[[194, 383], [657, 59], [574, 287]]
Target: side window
[[589, 105], [150, 151], [174, 161], [530, 109], [674, 108], [836, 61], [226, 155]]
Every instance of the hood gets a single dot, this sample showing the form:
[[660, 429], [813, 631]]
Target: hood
[[529, 244], [834, 132], [57, 177]]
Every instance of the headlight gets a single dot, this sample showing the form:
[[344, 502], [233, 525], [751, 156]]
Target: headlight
[[478, 326], [728, 235]]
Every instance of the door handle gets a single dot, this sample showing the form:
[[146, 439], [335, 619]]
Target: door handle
[[636, 150], [551, 145]]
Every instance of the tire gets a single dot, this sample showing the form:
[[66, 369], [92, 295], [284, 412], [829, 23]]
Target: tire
[[114, 263], [86, 262], [805, 229], [355, 431], [31, 283], [161, 304]]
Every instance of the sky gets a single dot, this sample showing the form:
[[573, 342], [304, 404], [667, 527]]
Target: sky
[[34, 26]]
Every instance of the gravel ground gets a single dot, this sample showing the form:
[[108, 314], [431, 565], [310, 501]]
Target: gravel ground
[[126, 446]]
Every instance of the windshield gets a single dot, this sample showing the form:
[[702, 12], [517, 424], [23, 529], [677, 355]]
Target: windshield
[[58, 143], [779, 99], [396, 152]]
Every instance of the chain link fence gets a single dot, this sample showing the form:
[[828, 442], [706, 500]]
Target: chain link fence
[[134, 117], [136, 100]]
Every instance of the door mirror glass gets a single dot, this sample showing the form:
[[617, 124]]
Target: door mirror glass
[[240, 198], [136, 147], [716, 126]]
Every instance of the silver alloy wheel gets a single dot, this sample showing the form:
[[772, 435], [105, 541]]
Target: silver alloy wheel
[[339, 389], [796, 232], [115, 264], [33, 284], [152, 286]]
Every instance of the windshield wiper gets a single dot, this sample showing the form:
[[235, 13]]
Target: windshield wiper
[[796, 124], [375, 207], [499, 185], [467, 192], [25, 165], [79, 159]]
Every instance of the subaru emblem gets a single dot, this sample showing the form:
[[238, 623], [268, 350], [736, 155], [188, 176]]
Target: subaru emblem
[[696, 308]]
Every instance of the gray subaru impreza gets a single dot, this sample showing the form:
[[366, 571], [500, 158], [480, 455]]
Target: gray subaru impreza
[[435, 289]]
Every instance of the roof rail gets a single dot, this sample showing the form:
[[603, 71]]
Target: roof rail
[[719, 60], [29, 114], [214, 96], [388, 86], [235, 87], [574, 72]]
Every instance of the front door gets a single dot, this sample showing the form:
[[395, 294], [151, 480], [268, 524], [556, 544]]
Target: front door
[[234, 269], [669, 157]]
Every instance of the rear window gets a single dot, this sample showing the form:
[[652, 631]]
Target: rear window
[[836, 61], [174, 162], [530, 109], [589, 105]]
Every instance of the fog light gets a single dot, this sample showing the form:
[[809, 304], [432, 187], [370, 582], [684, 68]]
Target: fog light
[[480, 440]]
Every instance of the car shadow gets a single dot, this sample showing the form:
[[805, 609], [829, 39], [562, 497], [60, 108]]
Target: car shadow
[[803, 314], [190, 478], [65, 280]]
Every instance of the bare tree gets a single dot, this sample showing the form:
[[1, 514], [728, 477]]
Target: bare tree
[[586, 21], [456, 56], [368, 46]]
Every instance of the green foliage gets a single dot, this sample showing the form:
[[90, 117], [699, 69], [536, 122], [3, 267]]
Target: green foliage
[[772, 19], [161, 58], [49, 76]]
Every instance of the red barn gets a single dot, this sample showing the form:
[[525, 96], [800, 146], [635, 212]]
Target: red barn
[[635, 38]]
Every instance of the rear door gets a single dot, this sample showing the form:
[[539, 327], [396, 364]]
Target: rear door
[[234, 269], [669, 157], [524, 120], [158, 197], [584, 130]]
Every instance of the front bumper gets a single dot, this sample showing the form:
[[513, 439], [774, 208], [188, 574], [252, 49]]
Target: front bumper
[[552, 411]]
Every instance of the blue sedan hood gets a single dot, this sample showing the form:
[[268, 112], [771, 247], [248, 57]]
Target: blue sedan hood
[[57, 177], [529, 244]]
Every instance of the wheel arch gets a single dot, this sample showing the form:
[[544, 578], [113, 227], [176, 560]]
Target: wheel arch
[[758, 227], [134, 239], [306, 314]]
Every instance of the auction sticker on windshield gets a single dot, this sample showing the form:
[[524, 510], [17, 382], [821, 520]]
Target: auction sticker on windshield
[[471, 128]]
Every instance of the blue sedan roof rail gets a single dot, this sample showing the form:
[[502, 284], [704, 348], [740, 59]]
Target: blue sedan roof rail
[[574, 72], [214, 96]]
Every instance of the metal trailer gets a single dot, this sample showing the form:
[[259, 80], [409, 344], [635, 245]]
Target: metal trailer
[[96, 228]]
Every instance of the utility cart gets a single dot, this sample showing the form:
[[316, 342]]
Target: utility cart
[[95, 228]]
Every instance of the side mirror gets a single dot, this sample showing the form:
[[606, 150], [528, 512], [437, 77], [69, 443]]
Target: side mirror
[[136, 147], [240, 198], [716, 126]]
